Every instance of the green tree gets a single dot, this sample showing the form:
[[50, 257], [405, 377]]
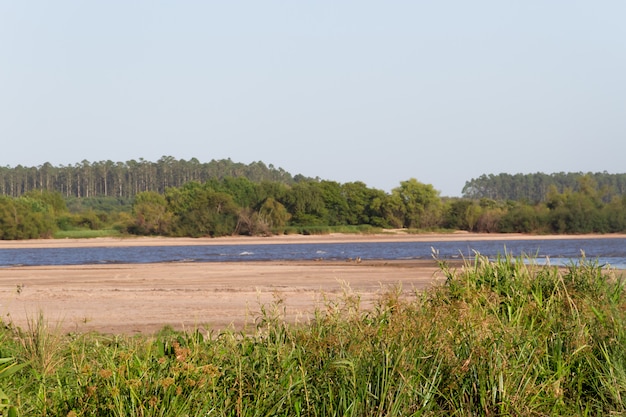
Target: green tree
[[472, 215], [454, 214], [420, 204], [25, 218], [244, 192], [376, 210], [524, 218], [305, 203], [360, 206], [201, 211], [615, 214], [577, 211], [274, 214], [335, 203], [151, 215], [8, 219], [52, 200]]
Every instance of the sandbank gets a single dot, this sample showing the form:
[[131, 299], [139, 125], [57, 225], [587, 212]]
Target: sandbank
[[143, 298], [390, 236]]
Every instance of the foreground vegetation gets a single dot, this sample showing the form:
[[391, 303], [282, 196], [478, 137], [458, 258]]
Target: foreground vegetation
[[506, 337]]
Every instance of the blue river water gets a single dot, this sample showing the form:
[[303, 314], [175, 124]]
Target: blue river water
[[609, 251]]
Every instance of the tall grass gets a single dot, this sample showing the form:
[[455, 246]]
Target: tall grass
[[86, 233], [325, 230], [503, 337]]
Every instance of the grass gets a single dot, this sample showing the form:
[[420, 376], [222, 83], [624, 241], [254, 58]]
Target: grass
[[503, 337], [430, 230], [325, 230], [86, 233]]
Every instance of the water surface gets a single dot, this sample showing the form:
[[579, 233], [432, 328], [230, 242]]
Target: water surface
[[610, 251]]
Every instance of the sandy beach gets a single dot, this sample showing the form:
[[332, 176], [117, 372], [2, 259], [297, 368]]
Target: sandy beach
[[143, 298], [390, 236]]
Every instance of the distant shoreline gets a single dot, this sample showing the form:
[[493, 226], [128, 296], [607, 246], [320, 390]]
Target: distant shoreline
[[392, 236]]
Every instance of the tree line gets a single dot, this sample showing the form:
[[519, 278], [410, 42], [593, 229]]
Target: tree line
[[534, 187], [126, 179], [240, 206], [231, 205]]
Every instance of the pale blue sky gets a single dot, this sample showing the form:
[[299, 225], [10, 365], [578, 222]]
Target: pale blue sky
[[380, 92]]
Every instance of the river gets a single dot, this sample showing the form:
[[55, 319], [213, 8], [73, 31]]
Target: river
[[610, 251]]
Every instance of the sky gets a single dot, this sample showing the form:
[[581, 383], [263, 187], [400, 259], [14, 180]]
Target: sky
[[344, 90]]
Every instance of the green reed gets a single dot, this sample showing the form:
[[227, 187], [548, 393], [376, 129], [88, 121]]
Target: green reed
[[502, 337]]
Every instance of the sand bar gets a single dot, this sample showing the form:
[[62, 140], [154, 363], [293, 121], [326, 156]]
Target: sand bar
[[145, 297], [142, 298], [390, 236]]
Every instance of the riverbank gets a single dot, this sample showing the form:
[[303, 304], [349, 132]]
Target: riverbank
[[143, 298], [389, 236]]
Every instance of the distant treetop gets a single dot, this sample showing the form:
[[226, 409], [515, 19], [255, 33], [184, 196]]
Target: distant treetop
[[534, 188], [126, 179]]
